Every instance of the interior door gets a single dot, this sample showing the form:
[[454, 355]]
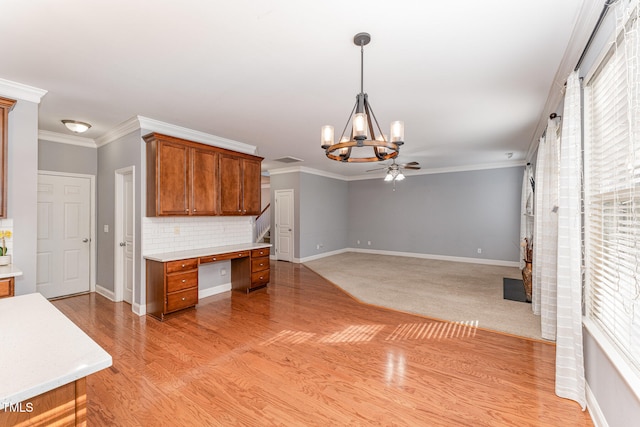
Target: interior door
[[128, 231], [63, 245], [284, 220]]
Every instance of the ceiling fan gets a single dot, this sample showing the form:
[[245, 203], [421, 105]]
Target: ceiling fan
[[394, 170]]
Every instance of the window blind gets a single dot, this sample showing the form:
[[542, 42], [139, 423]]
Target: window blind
[[612, 194]]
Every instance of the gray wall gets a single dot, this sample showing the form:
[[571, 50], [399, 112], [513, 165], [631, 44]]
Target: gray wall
[[56, 157], [321, 211], [324, 208], [450, 214], [22, 183], [119, 154]]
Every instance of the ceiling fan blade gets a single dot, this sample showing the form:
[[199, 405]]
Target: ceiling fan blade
[[412, 167], [376, 169], [411, 164]]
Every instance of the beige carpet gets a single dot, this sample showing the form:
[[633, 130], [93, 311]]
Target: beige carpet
[[455, 291]]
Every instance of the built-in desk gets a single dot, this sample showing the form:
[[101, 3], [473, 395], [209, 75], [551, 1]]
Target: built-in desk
[[172, 277]]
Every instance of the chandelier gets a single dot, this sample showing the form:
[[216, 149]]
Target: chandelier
[[362, 122]]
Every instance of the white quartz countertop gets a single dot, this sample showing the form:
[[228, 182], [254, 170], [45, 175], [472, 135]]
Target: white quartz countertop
[[195, 253], [9, 271], [41, 349]]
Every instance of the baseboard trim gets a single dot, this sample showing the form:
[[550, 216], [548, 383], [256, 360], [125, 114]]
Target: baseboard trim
[[485, 261], [594, 409], [139, 309], [108, 294], [319, 256], [203, 293]]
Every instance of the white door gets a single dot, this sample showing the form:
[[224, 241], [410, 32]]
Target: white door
[[284, 215], [64, 232], [125, 232]]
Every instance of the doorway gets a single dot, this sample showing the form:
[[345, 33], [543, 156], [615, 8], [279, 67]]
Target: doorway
[[124, 234], [65, 255], [284, 222]]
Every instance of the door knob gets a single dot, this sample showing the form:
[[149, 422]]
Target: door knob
[[85, 240], [123, 243]]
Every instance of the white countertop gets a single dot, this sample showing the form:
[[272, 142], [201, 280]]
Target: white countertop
[[9, 271], [195, 253], [41, 349]]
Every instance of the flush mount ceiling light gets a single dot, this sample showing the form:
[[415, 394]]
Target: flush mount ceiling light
[[362, 130], [76, 126]]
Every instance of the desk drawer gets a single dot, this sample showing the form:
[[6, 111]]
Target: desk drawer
[[6, 288], [182, 265], [183, 299], [260, 252], [259, 264], [223, 257], [259, 278], [179, 281]]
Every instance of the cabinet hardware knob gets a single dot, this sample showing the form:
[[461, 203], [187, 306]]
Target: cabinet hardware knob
[[184, 280], [194, 210], [260, 277], [183, 298], [186, 210]]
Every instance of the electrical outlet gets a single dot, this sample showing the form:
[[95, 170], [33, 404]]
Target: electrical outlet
[[358, 241], [317, 246], [369, 242], [176, 230], [479, 250], [106, 228], [223, 271]]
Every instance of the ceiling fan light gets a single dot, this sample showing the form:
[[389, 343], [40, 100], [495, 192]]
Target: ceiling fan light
[[400, 176], [389, 177], [326, 137], [76, 126]]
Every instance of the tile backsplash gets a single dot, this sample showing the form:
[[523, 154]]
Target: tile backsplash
[[169, 234]]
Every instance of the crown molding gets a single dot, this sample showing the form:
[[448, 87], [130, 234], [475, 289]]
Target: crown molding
[[124, 128], [465, 168], [21, 91], [62, 138], [144, 123], [305, 169], [194, 135]]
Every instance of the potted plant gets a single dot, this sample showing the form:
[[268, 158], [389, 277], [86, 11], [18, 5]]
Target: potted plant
[[5, 259]]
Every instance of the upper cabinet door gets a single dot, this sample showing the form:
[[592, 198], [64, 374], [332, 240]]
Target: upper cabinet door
[[230, 185], [204, 179], [173, 177], [251, 184]]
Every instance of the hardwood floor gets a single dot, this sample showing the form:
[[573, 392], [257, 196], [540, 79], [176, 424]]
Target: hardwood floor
[[303, 353]]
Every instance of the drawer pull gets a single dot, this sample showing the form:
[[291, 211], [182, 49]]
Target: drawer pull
[[261, 264], [184, 280], [214, 258], [184, 299], [261, 277], [239, 254], [182, 265]]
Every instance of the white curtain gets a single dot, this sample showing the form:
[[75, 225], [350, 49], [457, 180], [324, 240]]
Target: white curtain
[[557, 245], [545, 237], [570, 382]]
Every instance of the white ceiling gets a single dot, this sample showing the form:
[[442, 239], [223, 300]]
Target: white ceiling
[[470, 79]]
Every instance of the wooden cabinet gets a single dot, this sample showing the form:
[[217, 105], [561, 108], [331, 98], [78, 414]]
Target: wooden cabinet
[[181, 179], [240, 185], [188, 178], [5, 106], [171, 286], [260, 267], [7, 287]]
